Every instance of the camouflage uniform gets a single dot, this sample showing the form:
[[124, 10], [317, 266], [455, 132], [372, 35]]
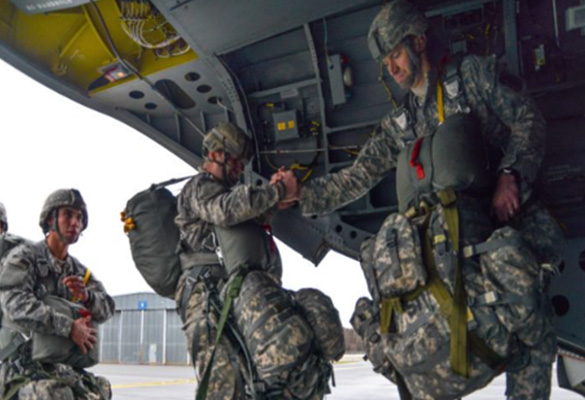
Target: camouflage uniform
[[203, 203], [281, 343], [513, 131], [9, 241], [29, 273]]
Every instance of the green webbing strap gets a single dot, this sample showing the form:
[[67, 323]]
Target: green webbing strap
[[15, 385], [454, 308], [232, 292], [458, 321], [389, 307]]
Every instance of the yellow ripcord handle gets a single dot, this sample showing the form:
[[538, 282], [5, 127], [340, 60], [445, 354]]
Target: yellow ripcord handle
[[85, 280], [441, 108]]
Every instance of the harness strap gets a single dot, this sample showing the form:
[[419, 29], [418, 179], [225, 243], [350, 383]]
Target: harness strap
[[493, 298], [484, 247], [458, 322], [12, 347], [232, 292], [455, 308], [192, 278], [388, 308], [15, 385]]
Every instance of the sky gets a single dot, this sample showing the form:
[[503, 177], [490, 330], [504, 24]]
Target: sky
[[49, 142]]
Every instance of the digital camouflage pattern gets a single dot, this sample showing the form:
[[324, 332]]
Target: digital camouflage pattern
[[205, 201], [366, 322], [280, 340], [508, 121], [321, 314], [200, 329], [9, 241], [396, 21], [396, 258], [533, 382], [3, 218], [52, 381], [515, 323], [28, 274], [286, 361], [229, 138]]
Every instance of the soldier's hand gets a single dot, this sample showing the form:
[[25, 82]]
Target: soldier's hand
[[292, 187], [83, 335], [505, 203], [277, 176], [75, 285]]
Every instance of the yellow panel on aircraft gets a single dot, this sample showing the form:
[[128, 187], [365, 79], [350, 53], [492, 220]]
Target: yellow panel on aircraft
[[73, 44]]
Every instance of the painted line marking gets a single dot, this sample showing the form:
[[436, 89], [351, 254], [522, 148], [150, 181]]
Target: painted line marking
[[163, 383]]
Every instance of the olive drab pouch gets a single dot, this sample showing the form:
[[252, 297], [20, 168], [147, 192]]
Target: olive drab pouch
[[58, 349], [511, 285], [366, 322], [392, 260], [323, 317], [279, 339], [149, 222], [250, 244]]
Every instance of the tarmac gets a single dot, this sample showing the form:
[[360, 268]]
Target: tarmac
[[354, 380]]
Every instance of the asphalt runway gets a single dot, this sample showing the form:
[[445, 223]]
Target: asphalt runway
[[355, 380]]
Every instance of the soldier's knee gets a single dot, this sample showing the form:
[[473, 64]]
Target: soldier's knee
[[46, 389]]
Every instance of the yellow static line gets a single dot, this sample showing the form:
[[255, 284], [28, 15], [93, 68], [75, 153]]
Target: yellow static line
[[164, 383]]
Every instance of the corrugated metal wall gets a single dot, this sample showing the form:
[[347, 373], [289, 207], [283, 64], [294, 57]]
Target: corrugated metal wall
[[146, 329]]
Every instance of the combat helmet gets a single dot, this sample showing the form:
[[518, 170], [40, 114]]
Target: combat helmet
[[3, 218], [62, 198], [230, 139], [396, 21]]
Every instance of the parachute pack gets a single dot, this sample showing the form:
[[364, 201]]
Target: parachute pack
[[453, 301], [58, 349], [426, 332], [290, 337], [149, 222]]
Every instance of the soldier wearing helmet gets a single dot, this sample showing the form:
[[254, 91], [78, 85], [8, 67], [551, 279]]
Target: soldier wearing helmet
[[3, 219], [32, 276], [214, 200], [512, 128]]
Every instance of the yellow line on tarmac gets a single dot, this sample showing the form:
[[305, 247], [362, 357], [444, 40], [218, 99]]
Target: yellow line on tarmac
[[163, 383]]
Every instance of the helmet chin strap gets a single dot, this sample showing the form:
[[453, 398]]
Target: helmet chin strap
[[224, 169], [55, 227]]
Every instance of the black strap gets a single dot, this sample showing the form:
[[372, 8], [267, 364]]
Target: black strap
[[192, 278], [169, 182], [233, 291]]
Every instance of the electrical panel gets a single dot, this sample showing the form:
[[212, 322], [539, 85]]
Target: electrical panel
[[286, 125]]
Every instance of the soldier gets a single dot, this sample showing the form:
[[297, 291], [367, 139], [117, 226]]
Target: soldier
[[213, 209], [47, 295], [3, 219], [512, 128], [7, 240]]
